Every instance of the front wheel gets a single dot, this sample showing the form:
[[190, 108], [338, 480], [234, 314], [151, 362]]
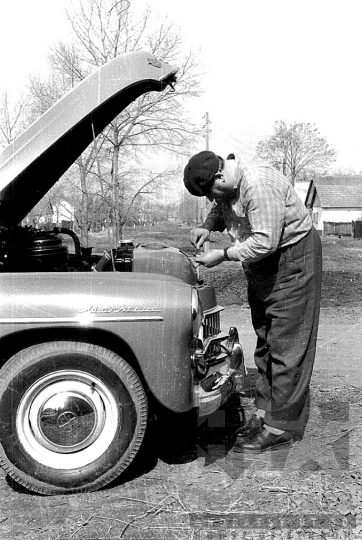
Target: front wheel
[[72, 415]]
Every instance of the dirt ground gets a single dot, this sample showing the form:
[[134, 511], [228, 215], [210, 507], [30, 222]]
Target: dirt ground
[[187, 483]]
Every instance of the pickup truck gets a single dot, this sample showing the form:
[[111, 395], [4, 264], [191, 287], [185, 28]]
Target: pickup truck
[[89, 349]]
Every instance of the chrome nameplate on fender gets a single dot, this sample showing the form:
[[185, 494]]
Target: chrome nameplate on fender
[[121, 309]]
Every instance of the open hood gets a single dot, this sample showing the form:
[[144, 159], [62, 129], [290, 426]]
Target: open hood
[[32, 164]]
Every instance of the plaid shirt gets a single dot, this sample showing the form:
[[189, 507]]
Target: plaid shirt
[[266, 214]]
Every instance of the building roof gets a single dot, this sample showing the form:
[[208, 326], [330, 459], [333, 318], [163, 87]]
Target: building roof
[[338, 191]]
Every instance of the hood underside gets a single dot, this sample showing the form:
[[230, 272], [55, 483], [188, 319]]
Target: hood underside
[[32, 164]]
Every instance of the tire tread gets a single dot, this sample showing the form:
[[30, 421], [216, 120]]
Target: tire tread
[[115, 363]]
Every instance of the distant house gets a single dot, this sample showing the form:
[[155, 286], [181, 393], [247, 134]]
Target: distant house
[[63, 213], [46, 215], [335, 202]]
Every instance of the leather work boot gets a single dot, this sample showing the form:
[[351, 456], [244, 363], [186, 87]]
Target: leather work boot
[[262, 441], [251, 427]]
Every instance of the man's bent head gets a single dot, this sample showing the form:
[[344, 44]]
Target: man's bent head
[[209, 175], [199, 173]]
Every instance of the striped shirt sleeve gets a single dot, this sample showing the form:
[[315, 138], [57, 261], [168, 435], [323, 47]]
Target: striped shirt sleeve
[[264, 204]]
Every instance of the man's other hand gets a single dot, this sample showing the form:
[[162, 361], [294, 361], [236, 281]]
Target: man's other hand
[[211, 258], [199, 236]]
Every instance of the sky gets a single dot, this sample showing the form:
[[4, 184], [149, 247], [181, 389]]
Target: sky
[[263, 61]]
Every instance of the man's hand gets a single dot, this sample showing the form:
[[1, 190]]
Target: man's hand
[[211, 258], [199, 236]]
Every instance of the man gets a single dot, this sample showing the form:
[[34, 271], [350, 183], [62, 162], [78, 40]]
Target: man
[[273, 237]]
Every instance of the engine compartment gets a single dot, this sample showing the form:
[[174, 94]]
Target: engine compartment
[[28, 249]]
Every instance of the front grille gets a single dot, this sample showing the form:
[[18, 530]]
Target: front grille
[[211, 324]]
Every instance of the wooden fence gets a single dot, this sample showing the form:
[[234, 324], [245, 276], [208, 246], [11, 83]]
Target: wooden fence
[[357, 229], [353, 228]]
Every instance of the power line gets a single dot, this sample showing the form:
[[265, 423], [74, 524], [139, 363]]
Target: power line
[[234, 138]]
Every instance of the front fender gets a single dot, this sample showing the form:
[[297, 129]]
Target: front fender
[[151, 313]]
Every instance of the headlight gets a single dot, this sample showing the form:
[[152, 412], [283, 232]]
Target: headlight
[[196, 314]]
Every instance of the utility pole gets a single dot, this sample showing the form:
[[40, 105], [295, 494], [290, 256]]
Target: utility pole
[[202, 207], [207, 147], [207, 130]]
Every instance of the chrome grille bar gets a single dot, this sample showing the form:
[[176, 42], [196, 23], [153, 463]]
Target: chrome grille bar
[[211, 325]]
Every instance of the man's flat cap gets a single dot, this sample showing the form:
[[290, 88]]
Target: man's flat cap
[[200, 171]]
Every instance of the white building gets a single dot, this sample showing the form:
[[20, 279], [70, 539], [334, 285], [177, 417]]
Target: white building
[[63, 211], [335, 202]]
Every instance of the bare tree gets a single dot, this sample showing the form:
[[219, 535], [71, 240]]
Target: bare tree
[[155, 122], [297, 150], [12, 119], [104, 29], [51, 203], [348, 171]]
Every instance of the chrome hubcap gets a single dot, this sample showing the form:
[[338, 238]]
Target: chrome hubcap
[[67, 419]]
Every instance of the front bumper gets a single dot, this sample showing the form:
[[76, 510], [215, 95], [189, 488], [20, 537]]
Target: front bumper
[[223, 373]]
